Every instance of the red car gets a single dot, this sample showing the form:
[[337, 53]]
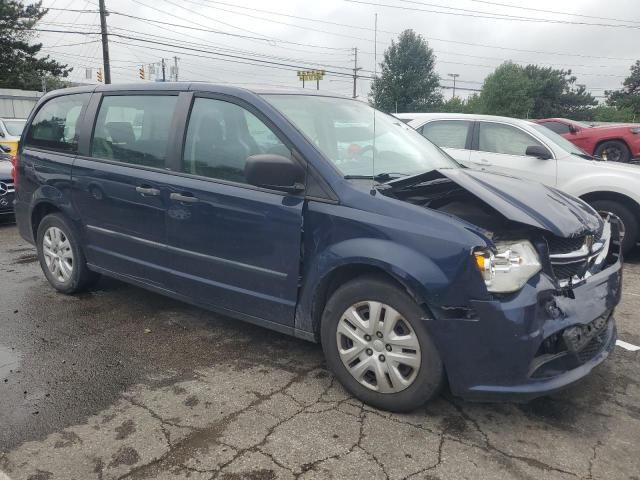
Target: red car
[[617, 143]]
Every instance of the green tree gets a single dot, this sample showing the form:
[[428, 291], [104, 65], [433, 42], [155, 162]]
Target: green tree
[[556, 94], [535, 92], [408, 81], [629, 96], [506, 92], [607, 113], [454, 105], [20, 66], [473, 104]]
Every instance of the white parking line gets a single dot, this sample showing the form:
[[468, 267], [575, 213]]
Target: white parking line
[[634, 294], [620, 343]]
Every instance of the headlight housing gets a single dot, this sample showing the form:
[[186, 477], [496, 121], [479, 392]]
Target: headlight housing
[[635, 130], [510, 268]]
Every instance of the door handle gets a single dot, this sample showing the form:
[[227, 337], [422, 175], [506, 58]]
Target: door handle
[[146, 190], [187, 198]]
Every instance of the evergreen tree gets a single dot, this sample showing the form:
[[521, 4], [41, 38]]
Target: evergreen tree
[[408, 81], [20, 65]]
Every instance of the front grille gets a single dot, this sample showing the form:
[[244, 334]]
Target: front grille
[[573, 259], [569, 270], [6, 196], [558, 245]]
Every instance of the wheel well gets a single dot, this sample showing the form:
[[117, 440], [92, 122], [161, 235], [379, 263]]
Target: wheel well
[[340, 276], [614, 197], [41, 211]]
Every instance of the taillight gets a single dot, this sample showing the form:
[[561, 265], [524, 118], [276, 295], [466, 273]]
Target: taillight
[[14, 171]]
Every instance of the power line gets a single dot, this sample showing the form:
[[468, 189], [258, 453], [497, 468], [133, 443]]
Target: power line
[[182, 43], [289, 24], [460, 12], [555, 12]]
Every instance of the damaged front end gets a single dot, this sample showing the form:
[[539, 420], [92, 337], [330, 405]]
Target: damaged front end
[[553, 276]]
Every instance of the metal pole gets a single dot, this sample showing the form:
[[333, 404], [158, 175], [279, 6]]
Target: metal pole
[[175, 63], [164, 77], [105, 42], [355, 72], [317, 83], [454, 76]]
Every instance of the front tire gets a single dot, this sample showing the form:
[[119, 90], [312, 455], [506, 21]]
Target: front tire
[[376, 342], [613, 151], [628, 218], [60, 255]]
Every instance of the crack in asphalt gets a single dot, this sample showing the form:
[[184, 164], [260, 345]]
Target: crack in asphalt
[[489, 447], [184, 446]]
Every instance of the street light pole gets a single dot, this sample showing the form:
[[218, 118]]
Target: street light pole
[[454, 76]]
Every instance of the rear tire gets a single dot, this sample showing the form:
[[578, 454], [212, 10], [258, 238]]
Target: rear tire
[[628, 218], [614, 150], [406, 388], [60, 255]]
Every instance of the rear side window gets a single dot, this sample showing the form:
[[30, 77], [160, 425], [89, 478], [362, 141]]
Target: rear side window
[[55, 126], [499, 138], [134, 129], [559, 128], [221, 136], [447, 133]]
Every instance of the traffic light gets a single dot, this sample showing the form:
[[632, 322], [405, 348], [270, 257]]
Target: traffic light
[[141, 72], [99, 75]]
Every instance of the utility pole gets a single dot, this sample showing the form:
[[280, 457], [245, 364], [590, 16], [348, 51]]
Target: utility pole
[[454, 76], [175, 66], [355, 72], [105, 42], [164, 71]]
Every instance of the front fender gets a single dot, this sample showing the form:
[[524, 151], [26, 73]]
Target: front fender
[[424, 279]]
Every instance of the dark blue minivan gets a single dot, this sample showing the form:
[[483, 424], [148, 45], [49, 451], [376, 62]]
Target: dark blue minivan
[[319, 217]]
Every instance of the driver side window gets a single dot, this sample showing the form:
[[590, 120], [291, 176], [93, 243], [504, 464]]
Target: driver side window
[[505, 139], [221, 136]]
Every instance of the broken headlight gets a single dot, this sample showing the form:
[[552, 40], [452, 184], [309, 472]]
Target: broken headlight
[[510, 267]]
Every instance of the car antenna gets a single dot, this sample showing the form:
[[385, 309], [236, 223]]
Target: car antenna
[[375, 74]]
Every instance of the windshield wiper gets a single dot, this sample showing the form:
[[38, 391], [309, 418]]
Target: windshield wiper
[[586, 156], [379, 177]]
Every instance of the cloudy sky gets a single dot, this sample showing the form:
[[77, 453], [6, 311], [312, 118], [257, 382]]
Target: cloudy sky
[[266, 42]]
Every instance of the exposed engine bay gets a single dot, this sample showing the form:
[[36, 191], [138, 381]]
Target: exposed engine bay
[[443, 194]]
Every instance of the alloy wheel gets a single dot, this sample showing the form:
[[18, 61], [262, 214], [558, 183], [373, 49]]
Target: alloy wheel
[[378, 347], [58, 255], [612, 154]]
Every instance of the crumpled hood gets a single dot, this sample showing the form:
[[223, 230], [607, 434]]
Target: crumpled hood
[[529, 202], [521, 201]]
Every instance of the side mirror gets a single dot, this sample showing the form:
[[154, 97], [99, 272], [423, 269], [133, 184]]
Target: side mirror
[[572, 129], [275, 172], [538, 151]]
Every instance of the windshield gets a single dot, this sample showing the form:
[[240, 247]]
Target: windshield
[[342, 129], [14, 127], [559, 140]]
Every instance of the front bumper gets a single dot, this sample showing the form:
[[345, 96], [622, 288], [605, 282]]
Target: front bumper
[[513, 348]]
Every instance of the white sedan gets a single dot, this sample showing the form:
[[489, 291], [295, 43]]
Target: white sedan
[[526, 149]]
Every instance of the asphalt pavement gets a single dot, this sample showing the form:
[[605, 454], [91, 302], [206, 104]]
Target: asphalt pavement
[[122, 383]]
